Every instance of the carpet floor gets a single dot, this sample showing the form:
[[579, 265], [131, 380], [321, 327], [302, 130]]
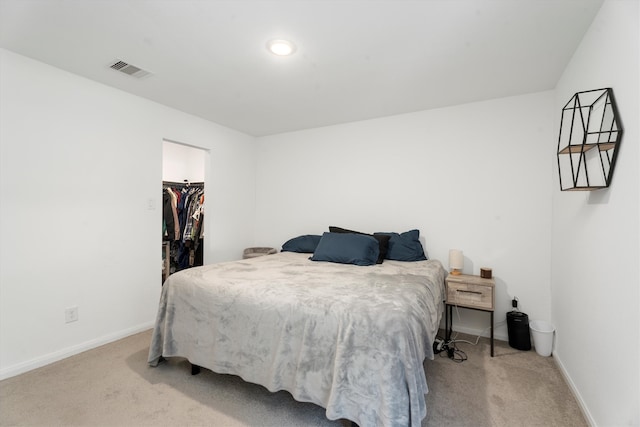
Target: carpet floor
[[113, 386]]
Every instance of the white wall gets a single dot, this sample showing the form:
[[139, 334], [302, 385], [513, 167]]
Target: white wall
[[475, 177], [80, 163], [181, 162], [595, 246]]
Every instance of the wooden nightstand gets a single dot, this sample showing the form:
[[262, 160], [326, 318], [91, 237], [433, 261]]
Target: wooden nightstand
[[472, 292]]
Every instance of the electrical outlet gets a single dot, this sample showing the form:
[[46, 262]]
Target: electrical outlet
[[71, 314]]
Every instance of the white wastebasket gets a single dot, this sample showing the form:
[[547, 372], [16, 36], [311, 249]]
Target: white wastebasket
[[542, 333]]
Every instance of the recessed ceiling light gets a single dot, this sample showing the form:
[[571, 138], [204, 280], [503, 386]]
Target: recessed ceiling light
[[281, 47]]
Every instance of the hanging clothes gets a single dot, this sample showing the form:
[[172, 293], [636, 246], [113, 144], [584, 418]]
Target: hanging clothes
[[168, 220], [183, 219]]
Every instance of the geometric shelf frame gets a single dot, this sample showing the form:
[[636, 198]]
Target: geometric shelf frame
[[589, 140]]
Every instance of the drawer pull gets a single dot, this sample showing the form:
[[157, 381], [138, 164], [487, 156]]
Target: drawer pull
[[468, 292]]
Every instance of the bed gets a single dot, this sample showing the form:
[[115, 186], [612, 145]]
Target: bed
[[349, 338]]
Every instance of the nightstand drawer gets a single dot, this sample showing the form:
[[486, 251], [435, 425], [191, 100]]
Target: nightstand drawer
[[470, 295]]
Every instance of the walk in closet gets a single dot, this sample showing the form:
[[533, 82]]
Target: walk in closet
[[183, 208]]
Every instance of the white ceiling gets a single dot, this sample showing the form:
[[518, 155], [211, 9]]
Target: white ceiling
[[355, 59]]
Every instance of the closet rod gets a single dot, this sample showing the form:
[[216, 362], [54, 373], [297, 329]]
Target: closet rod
[[183, 184]]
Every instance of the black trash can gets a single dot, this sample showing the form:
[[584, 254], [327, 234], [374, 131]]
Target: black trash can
[[518, 327]]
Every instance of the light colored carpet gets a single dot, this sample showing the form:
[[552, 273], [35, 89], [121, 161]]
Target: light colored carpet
[[113, 386], [513, 388]]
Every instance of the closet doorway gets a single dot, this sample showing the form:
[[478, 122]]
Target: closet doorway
[[183, 207]]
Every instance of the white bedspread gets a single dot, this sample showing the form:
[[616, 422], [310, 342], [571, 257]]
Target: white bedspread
[[351, 339]]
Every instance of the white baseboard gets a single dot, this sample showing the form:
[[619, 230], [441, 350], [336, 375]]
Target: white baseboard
[[47, 359], [574, 390]]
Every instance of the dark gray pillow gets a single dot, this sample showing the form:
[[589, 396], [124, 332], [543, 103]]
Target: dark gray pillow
[[347, 248], [303, 244], [405, 246]]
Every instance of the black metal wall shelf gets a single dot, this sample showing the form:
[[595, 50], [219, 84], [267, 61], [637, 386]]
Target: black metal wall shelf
[[589, 120]]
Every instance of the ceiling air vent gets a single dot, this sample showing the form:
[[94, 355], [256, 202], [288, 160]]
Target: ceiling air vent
[[129, 69]]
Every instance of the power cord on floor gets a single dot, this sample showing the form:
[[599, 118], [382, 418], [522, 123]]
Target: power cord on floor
[[455, 354], [450, 349]]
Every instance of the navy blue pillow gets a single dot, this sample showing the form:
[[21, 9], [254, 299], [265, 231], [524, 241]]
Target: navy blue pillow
[[347, 248], [303, 244], [383, 240], [405, 246]]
